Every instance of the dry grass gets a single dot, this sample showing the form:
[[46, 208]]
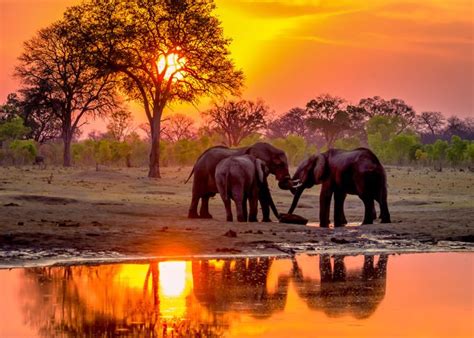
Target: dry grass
[[122, 210]]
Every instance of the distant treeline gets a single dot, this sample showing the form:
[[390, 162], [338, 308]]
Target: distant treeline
[[391, 128]]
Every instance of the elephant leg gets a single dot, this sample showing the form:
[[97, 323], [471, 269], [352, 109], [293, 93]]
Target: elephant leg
[[339, 217], [325, 269], [228, 210], [324, 205], [244, 208], [384, 213], [339, 274], [265, 205], [192, 213], [204, 212], [240, 206], [253, 203], [369, 207]]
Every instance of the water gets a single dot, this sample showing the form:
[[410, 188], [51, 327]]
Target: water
[[310, 296]]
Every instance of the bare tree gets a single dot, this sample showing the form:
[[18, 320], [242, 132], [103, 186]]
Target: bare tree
[[430, 122], [178, 127], [235, 120], [70, 88], [120, 124]]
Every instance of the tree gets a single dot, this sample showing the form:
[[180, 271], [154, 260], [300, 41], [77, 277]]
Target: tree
[[120, 124], [456, 150], [377, 106], [235, 120], [13, 129], [52, 64], [327, 114], [430, 122], [162, 51], [462, 128], [178, 127]]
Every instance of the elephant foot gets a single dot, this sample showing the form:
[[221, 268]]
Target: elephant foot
[[366, 221], [253, 219], [386, 220], [339, 225], [205, 215], [266, 220], [324, 225], [241, 219], [193, 214]]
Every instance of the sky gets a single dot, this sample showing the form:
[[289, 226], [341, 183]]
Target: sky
[[291, 51]]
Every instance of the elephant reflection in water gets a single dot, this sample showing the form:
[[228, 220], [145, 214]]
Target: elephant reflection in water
[[239, 286], [343, 292]]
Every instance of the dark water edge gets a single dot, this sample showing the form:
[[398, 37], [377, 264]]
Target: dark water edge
[[29, 258], [370, 295]]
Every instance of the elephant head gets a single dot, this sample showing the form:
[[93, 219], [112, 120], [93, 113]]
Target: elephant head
[[310, 172], [276, 162]]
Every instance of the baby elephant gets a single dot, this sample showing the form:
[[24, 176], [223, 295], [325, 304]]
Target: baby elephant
[[240, 178]]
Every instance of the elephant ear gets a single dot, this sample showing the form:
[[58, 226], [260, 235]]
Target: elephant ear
[[303, 172], [262, 170], [320, 169]]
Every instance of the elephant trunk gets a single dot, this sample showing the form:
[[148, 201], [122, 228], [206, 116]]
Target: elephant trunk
[[273, 207], [296, 198]]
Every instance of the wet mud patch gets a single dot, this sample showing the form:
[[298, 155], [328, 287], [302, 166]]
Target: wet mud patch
[[50, 200]]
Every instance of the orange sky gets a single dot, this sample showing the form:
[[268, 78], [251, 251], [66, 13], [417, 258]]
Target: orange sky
[[291, 51]]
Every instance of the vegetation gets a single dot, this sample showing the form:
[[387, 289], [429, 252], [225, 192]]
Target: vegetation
[[161, 52]]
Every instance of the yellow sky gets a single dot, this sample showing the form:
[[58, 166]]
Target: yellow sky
[[291, 51]]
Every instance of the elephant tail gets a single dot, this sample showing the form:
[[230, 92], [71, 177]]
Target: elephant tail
[[191, 174]]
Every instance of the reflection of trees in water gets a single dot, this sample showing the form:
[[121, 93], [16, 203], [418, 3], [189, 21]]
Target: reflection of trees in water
[[88, 301], [339, 292], [92, 301]]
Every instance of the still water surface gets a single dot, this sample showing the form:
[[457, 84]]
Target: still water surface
[[421, 295]]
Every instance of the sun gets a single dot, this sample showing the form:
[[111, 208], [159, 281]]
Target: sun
[[172, 64]]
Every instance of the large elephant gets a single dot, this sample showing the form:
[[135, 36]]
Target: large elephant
[[357, 172], [240, 178], [204, 183]]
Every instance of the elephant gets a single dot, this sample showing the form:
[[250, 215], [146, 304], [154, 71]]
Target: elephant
[[204, 183], [356, 172], [240, 178]]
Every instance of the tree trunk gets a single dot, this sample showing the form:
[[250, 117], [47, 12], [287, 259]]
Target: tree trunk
[[67, 161], [154, 169]]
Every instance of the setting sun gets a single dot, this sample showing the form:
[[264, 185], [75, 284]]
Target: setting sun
[[171, 64]]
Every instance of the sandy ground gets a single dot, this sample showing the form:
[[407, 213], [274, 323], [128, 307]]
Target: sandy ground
[[83, 213]]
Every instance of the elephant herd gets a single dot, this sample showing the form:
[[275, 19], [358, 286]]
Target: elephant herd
[[241, 175]]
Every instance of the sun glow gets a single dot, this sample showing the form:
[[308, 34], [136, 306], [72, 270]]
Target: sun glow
[[173, 65]]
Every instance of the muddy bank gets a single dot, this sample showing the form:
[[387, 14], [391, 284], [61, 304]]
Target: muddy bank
[[89, 214]]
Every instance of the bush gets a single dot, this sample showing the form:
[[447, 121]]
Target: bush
[[23, 151]]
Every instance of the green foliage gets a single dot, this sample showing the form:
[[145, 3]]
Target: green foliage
[[400, 146], [13, 129], [470, 153], [385, 126], [347, 143], [456, 150], [23, 151], [295, 147]]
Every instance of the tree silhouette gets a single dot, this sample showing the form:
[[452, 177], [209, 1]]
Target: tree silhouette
[[235, 120], [178, 127], [377, 106], [120, 124], [328, 115], [162, 51], [54, 66], [430, 122]]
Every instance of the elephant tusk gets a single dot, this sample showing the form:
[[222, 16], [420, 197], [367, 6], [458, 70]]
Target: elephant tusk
[[297, 185], [296, 181]]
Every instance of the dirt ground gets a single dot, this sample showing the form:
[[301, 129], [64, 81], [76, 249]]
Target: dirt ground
[[59, 214]]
